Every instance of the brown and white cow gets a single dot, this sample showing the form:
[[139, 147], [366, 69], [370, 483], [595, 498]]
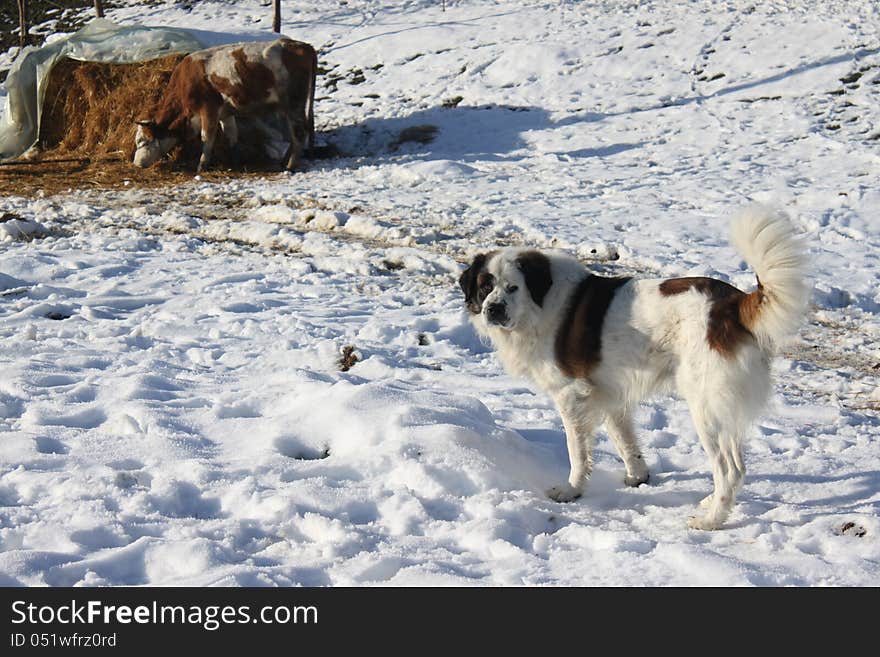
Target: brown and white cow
[[211, 87]]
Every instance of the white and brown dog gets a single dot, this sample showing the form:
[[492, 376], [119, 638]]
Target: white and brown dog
[[598, 346]]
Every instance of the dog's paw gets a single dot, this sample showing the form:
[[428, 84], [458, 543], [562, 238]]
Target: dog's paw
[[636, 480], [704, 523], [564, 493]]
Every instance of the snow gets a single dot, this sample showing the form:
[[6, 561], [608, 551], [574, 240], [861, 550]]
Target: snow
[[172, 408]]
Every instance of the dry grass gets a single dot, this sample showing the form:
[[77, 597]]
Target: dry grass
[[61, 175]]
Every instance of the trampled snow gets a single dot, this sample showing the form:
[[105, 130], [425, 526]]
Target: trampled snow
[[172, 405]]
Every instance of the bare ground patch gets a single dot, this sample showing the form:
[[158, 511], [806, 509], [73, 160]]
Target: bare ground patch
[[58, 173]]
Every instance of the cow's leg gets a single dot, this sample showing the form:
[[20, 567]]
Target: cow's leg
[[230, 134], [230, 129], [296, 142], [210, 121]]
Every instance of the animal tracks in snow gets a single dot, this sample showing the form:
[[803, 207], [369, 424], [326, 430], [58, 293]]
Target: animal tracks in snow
[[295, 449], [88, 418], [47, 445]]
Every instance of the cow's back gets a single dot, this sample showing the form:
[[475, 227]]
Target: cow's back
[[254, 75]]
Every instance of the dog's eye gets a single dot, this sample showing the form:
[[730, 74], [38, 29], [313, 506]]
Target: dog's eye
[[513, 288]]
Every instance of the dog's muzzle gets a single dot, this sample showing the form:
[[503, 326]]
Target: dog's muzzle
[[496, 313]]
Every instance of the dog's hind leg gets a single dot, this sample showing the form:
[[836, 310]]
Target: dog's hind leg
[[723, 445], [580, 422], [620, 430]]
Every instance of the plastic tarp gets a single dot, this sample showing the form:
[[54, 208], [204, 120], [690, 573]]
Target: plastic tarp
[[100, 41]]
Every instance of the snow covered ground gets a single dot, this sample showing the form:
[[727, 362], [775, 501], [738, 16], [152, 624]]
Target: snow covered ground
[[172, 407]]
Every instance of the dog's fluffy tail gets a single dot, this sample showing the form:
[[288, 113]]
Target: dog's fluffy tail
[[767, 241]]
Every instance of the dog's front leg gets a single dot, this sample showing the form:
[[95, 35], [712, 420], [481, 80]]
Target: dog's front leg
[[580, 424]]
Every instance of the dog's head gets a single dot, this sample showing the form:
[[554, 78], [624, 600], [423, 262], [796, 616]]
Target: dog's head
[[502, 288]]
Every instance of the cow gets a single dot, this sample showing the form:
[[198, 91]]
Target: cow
[[211, 87]]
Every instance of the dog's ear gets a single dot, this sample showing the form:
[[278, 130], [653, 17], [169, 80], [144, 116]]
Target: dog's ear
[[535, 268], [468, 283]]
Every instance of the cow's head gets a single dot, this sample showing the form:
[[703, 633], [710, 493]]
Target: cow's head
[[151, 141]]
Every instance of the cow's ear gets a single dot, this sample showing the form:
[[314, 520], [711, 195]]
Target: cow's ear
[[535, 268], [148, 128], [468, 283]]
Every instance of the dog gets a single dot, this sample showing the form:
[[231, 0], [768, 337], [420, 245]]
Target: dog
[[598, 346]]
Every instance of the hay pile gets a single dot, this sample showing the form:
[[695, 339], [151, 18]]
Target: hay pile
[[87, 134], [90, 108]]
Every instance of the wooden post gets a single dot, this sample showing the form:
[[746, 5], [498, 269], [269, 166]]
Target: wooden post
[[22, 23], [276, 20], [99, 9]]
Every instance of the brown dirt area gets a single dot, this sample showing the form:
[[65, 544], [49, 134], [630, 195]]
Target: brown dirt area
[[58, 176]]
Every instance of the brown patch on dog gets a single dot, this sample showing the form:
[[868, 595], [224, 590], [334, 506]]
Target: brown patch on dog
[[731, 315], [579, 338], [473, 282], [535, 267], [750, 306]]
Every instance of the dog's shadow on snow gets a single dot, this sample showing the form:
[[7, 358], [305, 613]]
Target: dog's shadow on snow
[[851, 492], [461, 133], [606, 489]]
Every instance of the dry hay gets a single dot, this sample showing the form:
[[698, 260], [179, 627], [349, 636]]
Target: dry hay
[[90, 108], [45, 177], [87, 131], [86, 137]]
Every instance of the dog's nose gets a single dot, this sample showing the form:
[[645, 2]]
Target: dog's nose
[[496, 313]]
